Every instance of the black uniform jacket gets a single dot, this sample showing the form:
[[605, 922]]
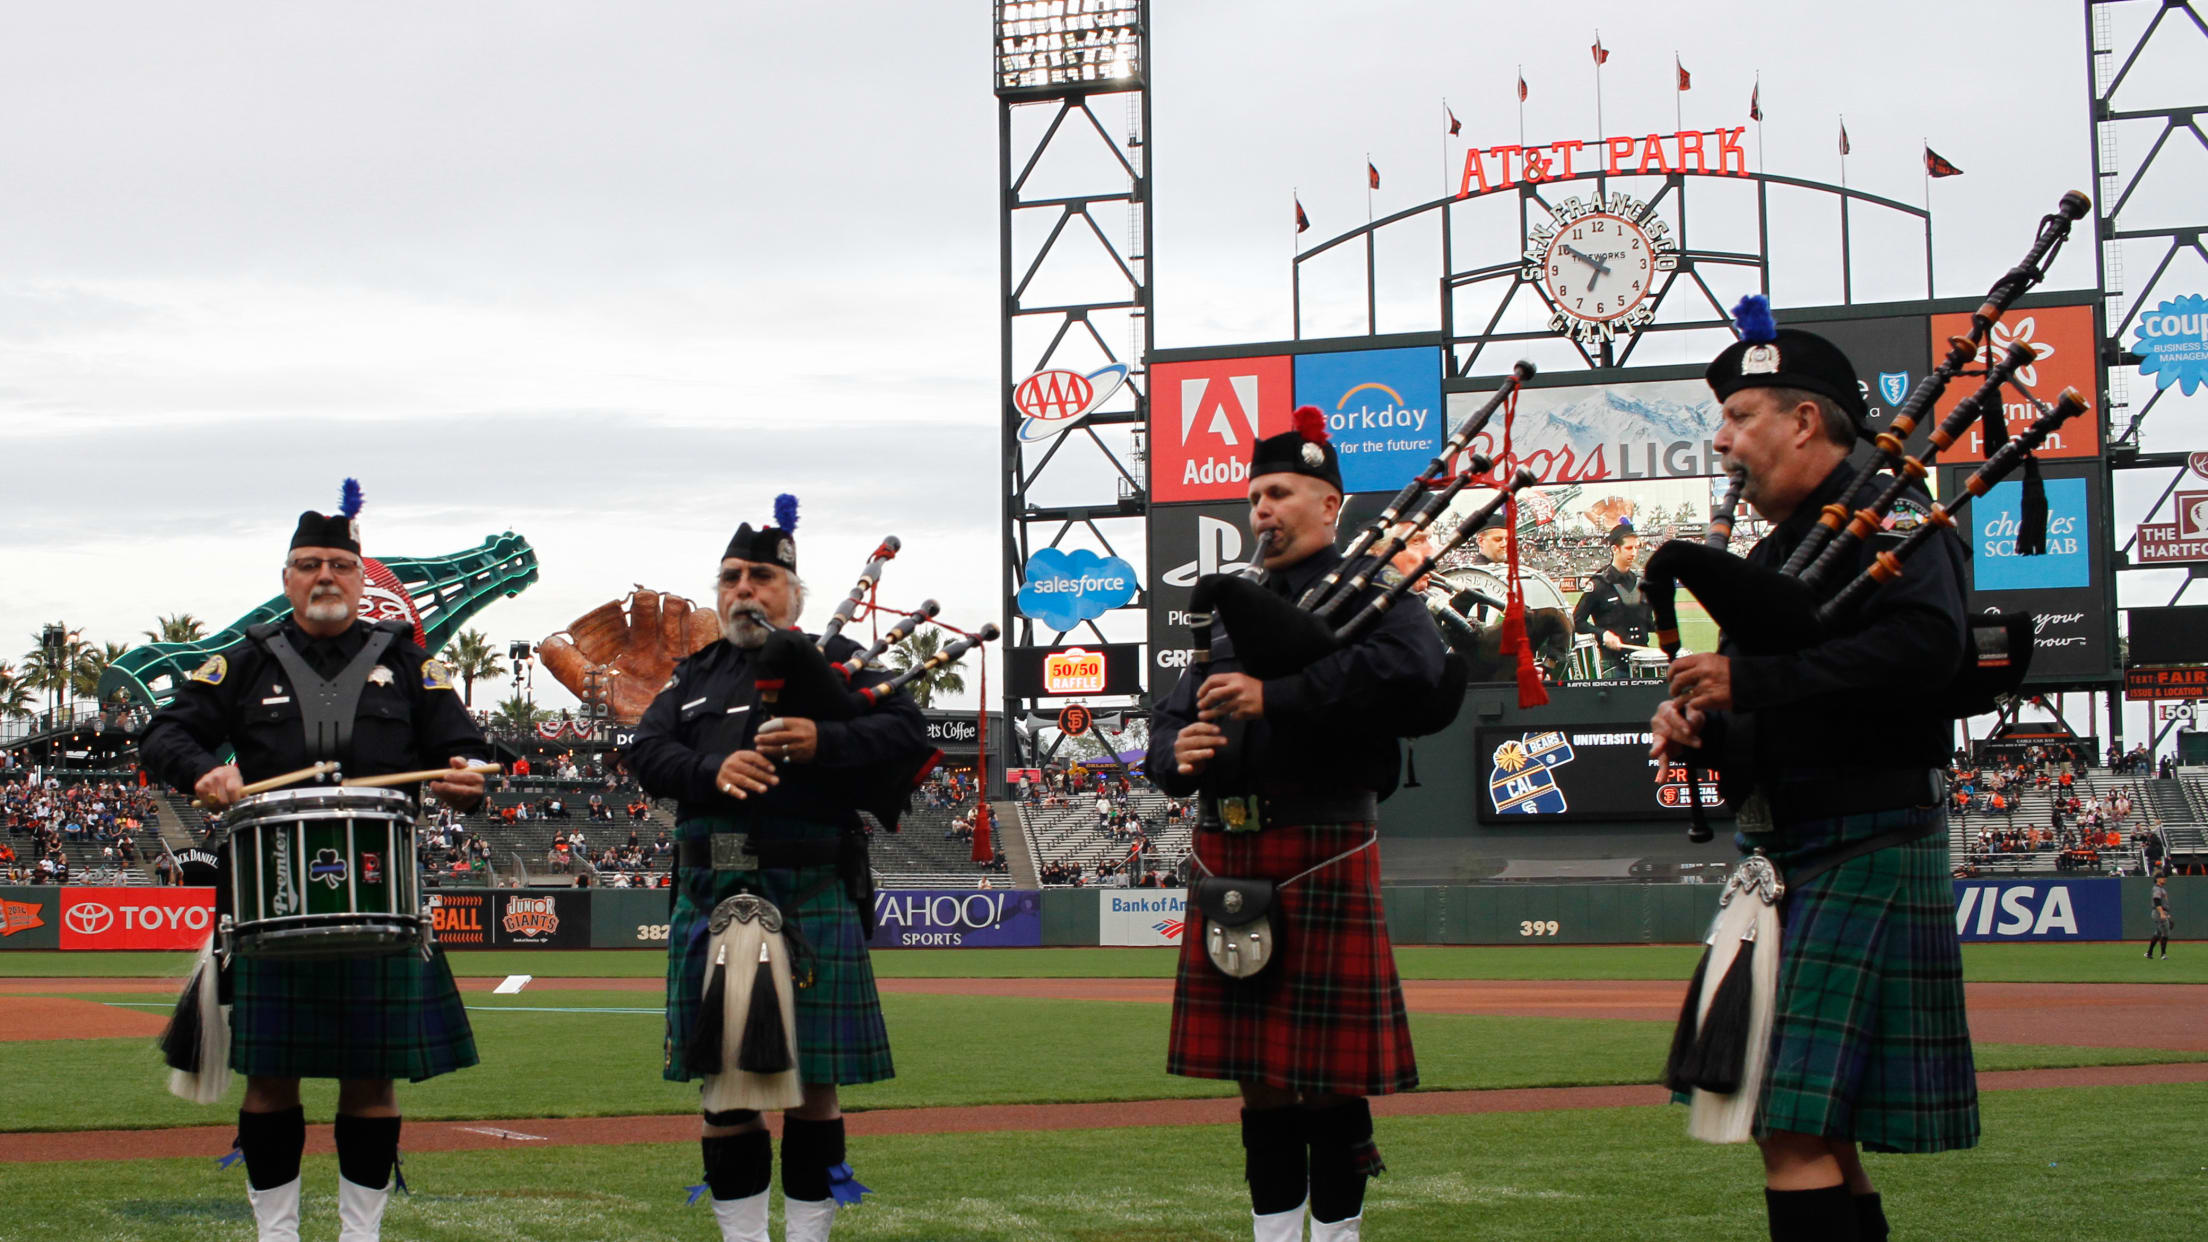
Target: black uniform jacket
[[1859, 701], [410, 717], [710, 709], [1331, 728], [1603, 607]]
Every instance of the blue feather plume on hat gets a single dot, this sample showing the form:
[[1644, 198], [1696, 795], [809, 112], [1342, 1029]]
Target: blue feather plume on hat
[[785, 512], [348, 499], [1752, 319]]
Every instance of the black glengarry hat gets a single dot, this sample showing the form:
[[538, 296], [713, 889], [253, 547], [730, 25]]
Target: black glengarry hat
[[1768, 356], [332, 530], [769, 545], [1304, 450]]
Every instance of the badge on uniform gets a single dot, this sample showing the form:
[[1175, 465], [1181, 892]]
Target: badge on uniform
[[1754, 814], [435, 676], [212, 672], [1240, 814], [1905, 516], [379, 676]]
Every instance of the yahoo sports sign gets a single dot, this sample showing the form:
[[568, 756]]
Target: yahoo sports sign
[[930, 918]]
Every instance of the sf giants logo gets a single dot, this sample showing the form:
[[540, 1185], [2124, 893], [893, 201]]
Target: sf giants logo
[[1207, 416]]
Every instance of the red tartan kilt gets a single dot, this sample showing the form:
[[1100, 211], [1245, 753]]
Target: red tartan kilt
[[1327, 1015]]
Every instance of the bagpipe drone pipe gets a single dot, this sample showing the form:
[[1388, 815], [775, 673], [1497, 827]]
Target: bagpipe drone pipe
[[1762, 611], [1242, 626], [2053, 231], [795, 677]]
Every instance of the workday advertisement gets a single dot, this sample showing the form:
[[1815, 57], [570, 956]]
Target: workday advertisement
[[1384, 411]]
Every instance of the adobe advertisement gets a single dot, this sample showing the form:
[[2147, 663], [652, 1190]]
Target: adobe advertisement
[[1206, 417]]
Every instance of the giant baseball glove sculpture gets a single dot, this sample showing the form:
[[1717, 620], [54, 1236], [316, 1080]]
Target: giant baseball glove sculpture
[[637, 641]]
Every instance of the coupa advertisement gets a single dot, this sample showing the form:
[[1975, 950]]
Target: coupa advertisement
[[957, 919], [2013, 909], [1141, 916]]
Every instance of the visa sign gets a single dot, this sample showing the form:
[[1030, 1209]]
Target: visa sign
[[1383, 410], [1063, 588], [2038, 910]]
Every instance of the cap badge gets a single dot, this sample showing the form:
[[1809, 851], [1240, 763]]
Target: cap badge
[[379, 676], [1760, 360], [785, 551], [1313, 456]]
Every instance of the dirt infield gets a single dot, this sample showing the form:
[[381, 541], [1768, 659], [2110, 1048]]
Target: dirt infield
[[212, 1141], [55, 1017], [2087, 1015]]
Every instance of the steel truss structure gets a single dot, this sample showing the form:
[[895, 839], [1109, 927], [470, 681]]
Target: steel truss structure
[[2128, 229], [1062, 67]]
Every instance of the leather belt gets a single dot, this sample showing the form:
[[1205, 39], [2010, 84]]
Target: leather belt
[[738, 851], [1829, 795], [1354, 806]]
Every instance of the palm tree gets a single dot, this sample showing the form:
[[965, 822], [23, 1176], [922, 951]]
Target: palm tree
[[181, 628], [915, 651], [519, 715], [16, 699], [48, 669], [470, 656], [84, 672]]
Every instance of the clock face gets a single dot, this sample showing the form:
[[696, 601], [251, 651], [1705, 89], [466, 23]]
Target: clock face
[[1599, 267], [1598, 262]]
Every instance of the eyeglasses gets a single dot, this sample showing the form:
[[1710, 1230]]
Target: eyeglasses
[[760, 574], [341, 566]]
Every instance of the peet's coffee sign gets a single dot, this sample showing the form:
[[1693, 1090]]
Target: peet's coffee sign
[[953, 732]]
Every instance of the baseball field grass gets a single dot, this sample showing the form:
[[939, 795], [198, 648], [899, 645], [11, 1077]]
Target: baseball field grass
[[2079, 1163]]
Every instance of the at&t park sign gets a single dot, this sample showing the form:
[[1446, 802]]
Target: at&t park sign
[[1713, 153]]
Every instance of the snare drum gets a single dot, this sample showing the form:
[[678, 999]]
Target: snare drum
[[1648, 665], [323, 873], [1585, 662]]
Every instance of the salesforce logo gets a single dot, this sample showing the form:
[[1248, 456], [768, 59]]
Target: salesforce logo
[[1066, 588]]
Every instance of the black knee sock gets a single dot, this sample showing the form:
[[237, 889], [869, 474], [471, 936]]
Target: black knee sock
[[1272, 1159], [1342, 1158], [367, 1147], [738, 1166], [1870, 1218], [809, 1150], [1826, 1214], [272, 1143]]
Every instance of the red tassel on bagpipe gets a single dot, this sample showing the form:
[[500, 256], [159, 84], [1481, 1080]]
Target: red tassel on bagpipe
[[1514, 642]]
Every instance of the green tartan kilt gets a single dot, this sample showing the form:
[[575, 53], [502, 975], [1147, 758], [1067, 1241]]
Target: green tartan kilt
[[372, 1017], [1870, 1040], [841, 1039]]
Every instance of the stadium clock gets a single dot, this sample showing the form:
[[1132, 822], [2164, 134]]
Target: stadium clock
[[1598, 260]]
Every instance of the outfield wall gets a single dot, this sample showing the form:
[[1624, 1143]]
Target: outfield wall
[[2005, 909]]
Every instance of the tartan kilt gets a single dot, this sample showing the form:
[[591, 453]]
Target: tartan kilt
[[395, 1016], [841, 1039], [1870, 1040], [1327, 1014]]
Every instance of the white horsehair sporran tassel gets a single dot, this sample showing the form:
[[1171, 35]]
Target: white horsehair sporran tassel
[[745, 927], [1747, 919]]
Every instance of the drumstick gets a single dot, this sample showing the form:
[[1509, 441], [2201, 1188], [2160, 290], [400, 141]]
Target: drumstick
[[426, 774], [277, 782]]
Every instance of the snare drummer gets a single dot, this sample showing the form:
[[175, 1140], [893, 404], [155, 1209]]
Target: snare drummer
[[365, 1021], [1612, 610]]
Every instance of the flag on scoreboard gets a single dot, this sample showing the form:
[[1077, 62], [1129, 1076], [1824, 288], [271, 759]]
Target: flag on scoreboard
[[1936, 165]]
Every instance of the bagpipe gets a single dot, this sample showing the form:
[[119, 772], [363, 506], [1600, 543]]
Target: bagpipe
[[794, 677], [1774, 612]]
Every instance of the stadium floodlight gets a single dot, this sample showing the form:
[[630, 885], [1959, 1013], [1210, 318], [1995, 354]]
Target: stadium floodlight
[[1046, 47]]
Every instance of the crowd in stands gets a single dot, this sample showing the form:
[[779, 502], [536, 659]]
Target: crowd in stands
[[44, 817], [2083, 828]]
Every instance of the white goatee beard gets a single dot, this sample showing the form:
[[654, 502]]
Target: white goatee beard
[[326, 610], [745, 626]]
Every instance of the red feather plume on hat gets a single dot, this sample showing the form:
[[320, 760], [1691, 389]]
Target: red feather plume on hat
[[1311, 423]]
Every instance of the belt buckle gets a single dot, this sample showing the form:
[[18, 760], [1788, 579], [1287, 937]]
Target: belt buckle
[[1754, 813], [732, 852], [1240, 814]]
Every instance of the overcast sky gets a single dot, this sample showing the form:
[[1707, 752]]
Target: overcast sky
[[613, 275]]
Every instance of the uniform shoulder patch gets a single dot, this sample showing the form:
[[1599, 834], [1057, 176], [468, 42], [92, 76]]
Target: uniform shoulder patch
[[435, 676], [1905, 516], [212, 672]]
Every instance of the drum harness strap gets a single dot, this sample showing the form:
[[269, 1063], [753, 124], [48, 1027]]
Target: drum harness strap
[[327, 705]]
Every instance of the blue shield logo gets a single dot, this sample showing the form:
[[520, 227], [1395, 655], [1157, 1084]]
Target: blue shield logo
[[1893, 385]]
